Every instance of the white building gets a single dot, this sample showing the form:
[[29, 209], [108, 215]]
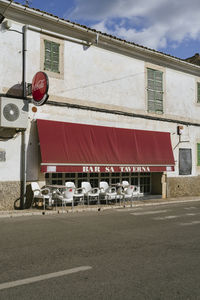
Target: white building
[[109, 85]]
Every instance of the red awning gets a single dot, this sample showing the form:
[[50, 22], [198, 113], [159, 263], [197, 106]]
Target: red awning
[[69, 147]]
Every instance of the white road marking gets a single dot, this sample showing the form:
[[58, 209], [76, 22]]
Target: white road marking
[[174, 217], [149, 212], [191, 214], [166, 218], [190, 223], [129, 209], [191, 207], [29, 280]]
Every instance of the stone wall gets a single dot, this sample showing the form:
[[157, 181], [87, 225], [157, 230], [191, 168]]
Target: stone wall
[[9, 193], [183, 186]]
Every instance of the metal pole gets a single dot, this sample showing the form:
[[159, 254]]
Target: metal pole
[[23, 133]]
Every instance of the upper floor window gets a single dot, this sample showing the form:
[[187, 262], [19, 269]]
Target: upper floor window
[[198, 154], [51, 56], [155, 90], [198, 92]]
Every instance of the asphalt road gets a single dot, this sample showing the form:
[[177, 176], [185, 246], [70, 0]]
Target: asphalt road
[[137, 253]]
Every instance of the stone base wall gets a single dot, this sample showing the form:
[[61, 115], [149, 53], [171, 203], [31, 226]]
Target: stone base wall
[[9, 193], [183, 186]]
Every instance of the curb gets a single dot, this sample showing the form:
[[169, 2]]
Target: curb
[[13, 214]]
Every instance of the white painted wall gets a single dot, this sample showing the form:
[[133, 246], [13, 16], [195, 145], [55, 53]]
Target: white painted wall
[[93, 75], [10, 169]]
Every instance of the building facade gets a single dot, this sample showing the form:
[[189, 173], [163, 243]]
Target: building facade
[[99, 81]]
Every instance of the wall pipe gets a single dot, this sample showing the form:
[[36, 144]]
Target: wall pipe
[[23, 133]]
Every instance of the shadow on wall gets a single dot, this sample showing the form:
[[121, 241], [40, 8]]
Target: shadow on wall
[[33, 154], [32, 164], [15, 91], [29, 199]]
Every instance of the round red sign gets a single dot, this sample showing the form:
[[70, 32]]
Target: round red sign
[[40, 86]]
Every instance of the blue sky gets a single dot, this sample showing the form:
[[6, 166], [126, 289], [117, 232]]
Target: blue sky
[[169, 26]]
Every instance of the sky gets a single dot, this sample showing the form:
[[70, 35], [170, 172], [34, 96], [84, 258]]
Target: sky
[[169, 26]]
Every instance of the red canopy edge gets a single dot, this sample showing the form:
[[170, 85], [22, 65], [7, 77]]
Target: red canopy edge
[[72, 147]]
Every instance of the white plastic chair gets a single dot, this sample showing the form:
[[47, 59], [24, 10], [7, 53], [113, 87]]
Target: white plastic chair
[[65, 197], [92, 194], [43, 194], [78, 192], [109, 193], [125, 183], [126, 192]]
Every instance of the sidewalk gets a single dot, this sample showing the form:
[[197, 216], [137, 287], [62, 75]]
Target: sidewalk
[[85, 208]]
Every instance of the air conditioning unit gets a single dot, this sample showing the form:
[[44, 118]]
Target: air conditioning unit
[[13, 113]]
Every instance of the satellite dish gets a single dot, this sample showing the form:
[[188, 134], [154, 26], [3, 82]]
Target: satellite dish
[[11, 112]]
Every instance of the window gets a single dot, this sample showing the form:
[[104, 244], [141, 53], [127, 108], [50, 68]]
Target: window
[[185, 161], [198, 154], [198, 92], [51, 59], [155, 90], [143, 180]]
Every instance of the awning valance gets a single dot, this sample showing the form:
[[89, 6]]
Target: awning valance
[[71, 147]]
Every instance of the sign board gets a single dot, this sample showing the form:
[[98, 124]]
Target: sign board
[[185, 161], [40, 86], [62, 168]]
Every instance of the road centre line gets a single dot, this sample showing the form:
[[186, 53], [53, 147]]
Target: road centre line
[[166, 218], [191, 214], [190, 223], [174, 217], [191, 207], [29, 280], [149, 212]]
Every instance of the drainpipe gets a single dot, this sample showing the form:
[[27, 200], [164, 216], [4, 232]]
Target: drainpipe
[[23, 133]]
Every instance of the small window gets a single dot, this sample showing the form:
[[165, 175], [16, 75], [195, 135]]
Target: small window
[[198, 154], [155, 90], [198, 92], [51, 59]]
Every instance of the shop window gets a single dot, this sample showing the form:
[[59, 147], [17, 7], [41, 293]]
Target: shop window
[[51, 56], [115, 178], [125, 177], [94, 175], [70, 175], [145, 182], [155, 91], [198, 154], [105, 175], [57, 182], [94, 182], [142, 180], [134, 181]]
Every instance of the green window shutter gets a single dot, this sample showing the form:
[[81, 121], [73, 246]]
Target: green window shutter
[[155, 91], [51, 60], [55, 57], [198, 92], [47, 58], [198, 154]]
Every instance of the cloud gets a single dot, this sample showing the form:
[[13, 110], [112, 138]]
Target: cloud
[[154, 23]]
